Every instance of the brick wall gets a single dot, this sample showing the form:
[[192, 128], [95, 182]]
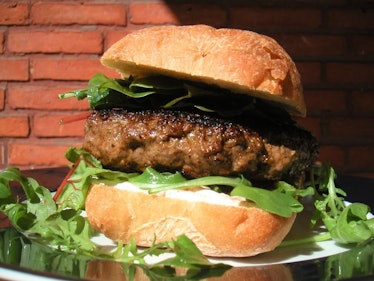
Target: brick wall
[[48, 47]]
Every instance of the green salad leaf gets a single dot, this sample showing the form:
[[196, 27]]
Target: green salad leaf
[[159, 92], [353, 264], [346, 223], [105, 92], [38, 215], [42, 219], [85, 170], [74, 193], [352, 225], [276, 201], [18, 250]]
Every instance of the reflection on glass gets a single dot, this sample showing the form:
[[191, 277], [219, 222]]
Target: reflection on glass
[[17, 250]]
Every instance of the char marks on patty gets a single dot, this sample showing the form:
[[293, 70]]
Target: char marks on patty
[[197, 145]]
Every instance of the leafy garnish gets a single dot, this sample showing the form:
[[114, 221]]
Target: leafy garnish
[[106, 92], [280, 202], [161, 92], [42, 220], [275, 201], [16, 249], [345, 223], [39, 217], [353, 264], [85, 170]]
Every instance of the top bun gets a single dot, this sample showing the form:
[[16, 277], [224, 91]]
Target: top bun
[[237, 60]]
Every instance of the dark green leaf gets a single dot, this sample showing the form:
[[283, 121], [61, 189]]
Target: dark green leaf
[[272, 201], [153, 178], [157, 92], [352, 226], [346, 224]]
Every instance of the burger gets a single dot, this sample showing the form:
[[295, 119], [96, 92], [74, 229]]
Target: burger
[[198, 102]]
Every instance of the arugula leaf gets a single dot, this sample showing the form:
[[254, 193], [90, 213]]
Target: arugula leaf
[[155, 83], [102, 91], [42, 220], [190, 257], [76, 187], [355, 263], [39, 216], [16, 249], [352, 225], [159, 92], [10, 246], [185, 253], [346, 224], [86, 169], [276, 201], [187, 256]]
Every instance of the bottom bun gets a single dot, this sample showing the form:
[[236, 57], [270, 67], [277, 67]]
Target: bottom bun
[[219, 225]]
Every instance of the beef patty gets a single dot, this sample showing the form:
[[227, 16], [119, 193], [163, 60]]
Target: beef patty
[[198, 145]]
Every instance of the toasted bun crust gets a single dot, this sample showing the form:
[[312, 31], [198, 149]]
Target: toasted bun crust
[[238, 60], [219, 225]]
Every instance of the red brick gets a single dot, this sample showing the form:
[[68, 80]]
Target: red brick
[[152, 13], [363, 45], [2, 156], [67, 69], [349, 72], [160, 13], [113, 37], [346, 129], [254, 18], [78, 13], [2, 98], [319, 102], [368, 174], [44, 97], [39, 154], [334, 155], [209, 14], [14, 69], [13, 13], [51, 126], [351, 18], [54, 42], [1, 42], [312, 45], [14, 126], [313, 125], [310, 72], [363, 103], [361, 158]]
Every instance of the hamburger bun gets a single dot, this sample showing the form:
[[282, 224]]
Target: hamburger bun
[[237, 60], [219, 225]]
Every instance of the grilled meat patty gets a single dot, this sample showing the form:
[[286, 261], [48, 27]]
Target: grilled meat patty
[[198, 145]]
